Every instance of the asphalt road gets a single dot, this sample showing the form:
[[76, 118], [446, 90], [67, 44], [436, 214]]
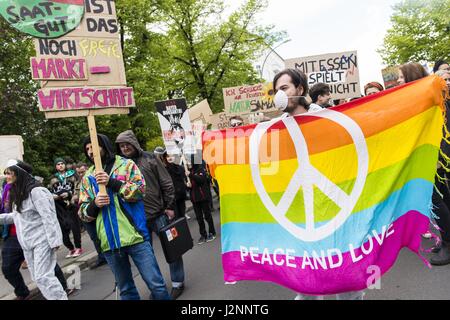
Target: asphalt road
[[409, 279]]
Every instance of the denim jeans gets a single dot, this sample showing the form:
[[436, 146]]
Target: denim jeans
[[177, 267], [91, 228], [145, 260]]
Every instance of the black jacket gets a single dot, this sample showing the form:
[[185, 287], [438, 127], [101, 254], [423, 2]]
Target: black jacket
[[159, 190], [200, 190], [179, 180]]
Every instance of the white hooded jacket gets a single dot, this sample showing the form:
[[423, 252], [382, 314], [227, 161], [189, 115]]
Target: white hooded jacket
[[37, 223]]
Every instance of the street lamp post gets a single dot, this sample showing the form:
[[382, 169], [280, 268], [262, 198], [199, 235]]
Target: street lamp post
[[272, 50]]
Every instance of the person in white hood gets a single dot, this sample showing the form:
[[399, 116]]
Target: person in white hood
[[37, 227]]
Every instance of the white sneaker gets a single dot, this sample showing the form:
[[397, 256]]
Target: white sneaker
[[427, 235]]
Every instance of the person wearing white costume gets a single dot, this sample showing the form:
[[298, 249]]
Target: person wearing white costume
[[291, 88], [38, 230]]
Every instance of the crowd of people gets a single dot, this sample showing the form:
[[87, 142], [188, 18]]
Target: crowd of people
[[145, 191]]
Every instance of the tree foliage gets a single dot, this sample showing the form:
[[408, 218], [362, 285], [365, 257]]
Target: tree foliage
[[420, 32], [171, 48]]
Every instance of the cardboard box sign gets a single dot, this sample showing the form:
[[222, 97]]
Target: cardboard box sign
[[339, 70]]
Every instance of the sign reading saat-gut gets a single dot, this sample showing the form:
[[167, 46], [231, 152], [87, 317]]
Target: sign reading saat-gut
[[43, 19]]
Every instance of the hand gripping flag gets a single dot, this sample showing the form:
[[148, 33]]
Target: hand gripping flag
[[315, 202]]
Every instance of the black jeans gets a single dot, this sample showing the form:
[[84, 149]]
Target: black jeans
[[203, 209], [12, 258], [442, 209], [180, 208], [71, 224]]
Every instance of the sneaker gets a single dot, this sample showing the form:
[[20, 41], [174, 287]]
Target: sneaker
[[77, 253], [187, 216], [69, 291], [211, 237], [70, 254], [201, 240], [176, 292], [436, 249], [427, 235]]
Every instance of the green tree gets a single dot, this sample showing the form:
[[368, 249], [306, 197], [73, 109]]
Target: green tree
[[420, 32], [171, 48], [208, 51]]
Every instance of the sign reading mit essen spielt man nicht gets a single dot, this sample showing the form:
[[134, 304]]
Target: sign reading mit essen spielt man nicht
[[338, 70], [78, 61]]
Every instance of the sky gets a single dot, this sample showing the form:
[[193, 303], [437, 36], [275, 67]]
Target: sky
[[330, 26]]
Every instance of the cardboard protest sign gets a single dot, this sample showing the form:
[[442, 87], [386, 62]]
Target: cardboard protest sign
[[84, 69], [175, 124], [220, 121], [200, 112], [338, 70], [43, 19], [390, 76], [247, 99], [193, 143], [11, 147]]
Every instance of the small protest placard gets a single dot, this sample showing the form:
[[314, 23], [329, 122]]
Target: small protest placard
[[247, 99], [390, 76], [43, 19], [175, 124], [200, 112]]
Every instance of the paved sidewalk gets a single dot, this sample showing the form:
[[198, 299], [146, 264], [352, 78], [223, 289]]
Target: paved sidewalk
[[83, 262]]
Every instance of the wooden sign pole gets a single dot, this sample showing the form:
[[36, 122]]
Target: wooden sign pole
[[96, 150], [184, 162]]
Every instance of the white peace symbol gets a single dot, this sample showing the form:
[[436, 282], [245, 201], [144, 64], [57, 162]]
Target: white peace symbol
[[306, 176]]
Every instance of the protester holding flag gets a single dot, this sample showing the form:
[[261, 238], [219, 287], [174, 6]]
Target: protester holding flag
[[36, 227], [294, 84], [441, 194]]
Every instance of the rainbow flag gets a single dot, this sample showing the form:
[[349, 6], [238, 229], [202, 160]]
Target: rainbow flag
[[322, 202]]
